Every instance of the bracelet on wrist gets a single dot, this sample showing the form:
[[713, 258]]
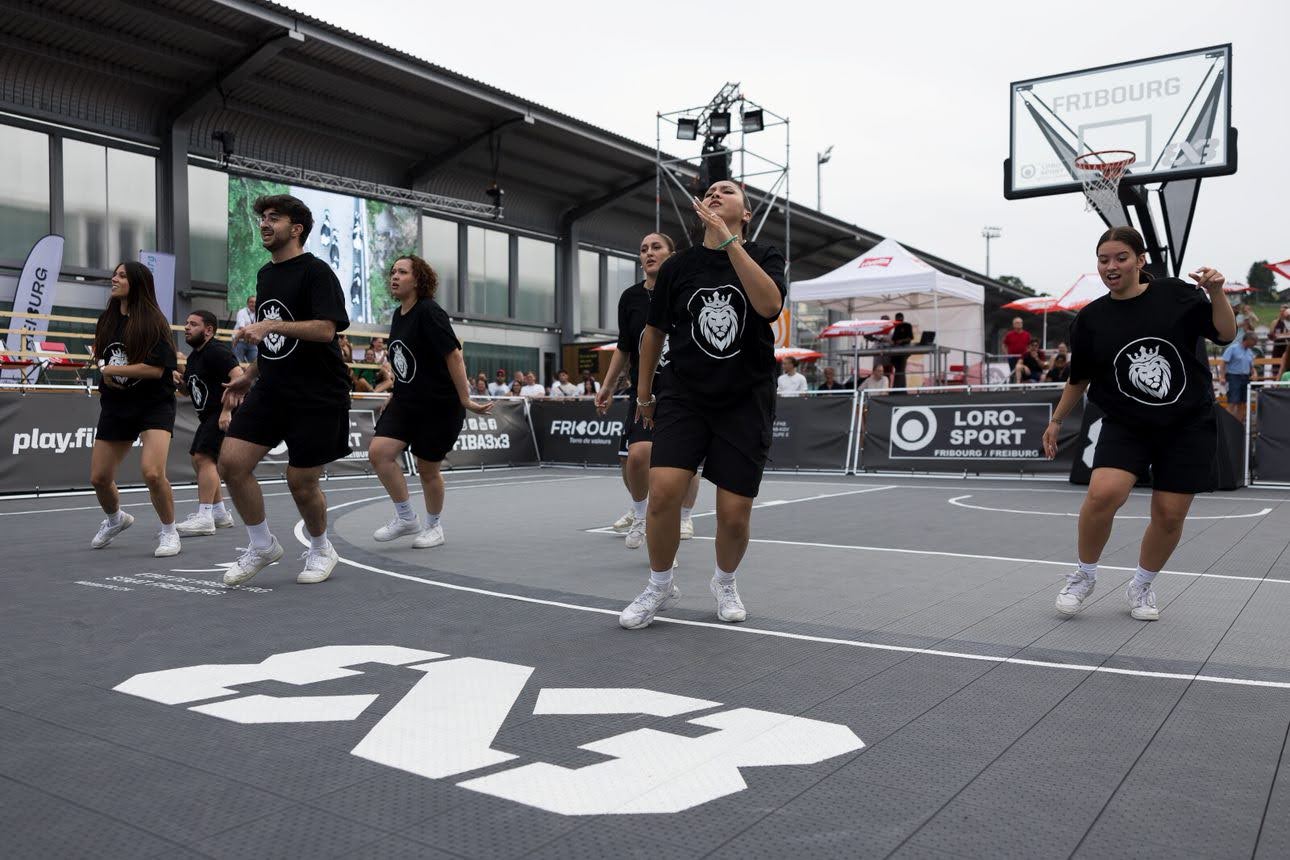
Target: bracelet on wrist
[[729, 241], [646, 403]]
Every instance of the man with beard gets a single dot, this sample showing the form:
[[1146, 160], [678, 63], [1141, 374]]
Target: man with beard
[[210, 365], [301, 393]]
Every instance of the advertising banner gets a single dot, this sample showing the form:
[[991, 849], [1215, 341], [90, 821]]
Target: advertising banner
[[162, 266], [570, 431], [35, 295], [977, 431], [811, 433], [1270, 459], [500, 438]]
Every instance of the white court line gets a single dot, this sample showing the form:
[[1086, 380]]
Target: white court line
[[775, 503], [958, 502], [801, 637], [1136, 493]]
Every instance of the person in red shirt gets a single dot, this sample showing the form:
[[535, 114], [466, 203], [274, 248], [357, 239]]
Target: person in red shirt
[[1015, 343]]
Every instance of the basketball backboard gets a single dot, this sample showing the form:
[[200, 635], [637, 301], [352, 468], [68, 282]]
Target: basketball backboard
[[1173, 112]]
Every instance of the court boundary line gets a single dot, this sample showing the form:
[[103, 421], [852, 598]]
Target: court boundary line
[[958, 502]]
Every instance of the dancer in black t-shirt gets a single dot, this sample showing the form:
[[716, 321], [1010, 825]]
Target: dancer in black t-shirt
[[301, 393], [210, 365], [637, 442], [136, 357], [1138, 351], [429, 402], [715, 304]]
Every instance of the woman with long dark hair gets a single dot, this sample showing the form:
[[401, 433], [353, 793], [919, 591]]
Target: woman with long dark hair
[[715, 304], [1137, 350], [136, 356], [431, 396]]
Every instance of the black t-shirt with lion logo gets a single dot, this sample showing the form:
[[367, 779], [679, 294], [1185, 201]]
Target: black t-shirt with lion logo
[[1144, 356], [297, 372], [420, 342], [719, 347], [135, 391], [204, 376], [633, 314]]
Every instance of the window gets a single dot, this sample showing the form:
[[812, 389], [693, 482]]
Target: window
[[24, 190], [486, 358], [109, 204], [488, 270], [208, 224], [621, 275], [535, 292], [439, 249], [588, 290]]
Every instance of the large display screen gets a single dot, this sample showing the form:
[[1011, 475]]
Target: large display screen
[[359, 238]]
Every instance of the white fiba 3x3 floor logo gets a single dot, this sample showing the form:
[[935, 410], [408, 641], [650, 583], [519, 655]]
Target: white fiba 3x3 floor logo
[[445, 727]]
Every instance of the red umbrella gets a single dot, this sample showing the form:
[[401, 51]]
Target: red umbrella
[[858, 328], [1036, 304], [797, 352], [607, 347], [1236, 287]]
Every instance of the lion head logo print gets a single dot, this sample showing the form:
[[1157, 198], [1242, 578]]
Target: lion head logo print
[[276, 345], [197, 391], [718, 314], [1150, 371], [403, 361], [115, 357]]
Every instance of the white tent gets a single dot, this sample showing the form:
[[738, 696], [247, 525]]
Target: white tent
[[888, 279]]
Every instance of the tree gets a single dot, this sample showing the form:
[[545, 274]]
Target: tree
[[1262, 281], [1016, 283]]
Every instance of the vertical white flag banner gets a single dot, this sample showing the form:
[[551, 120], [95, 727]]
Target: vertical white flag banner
[[162, 266], [36, 288]]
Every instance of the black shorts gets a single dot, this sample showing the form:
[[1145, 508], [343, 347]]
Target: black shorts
[[730, 439], [635, 432], [1181, 457], [315, 436], [208, 438], [120, 422], [430, 432]]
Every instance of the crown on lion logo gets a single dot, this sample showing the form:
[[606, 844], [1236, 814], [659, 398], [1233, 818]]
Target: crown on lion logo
[[718, 302]]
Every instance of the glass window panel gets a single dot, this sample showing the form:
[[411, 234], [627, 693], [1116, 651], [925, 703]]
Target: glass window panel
[[535, 293], [132, 204], [487, 358], [589, 290], [24, 190], [439, 249], [622, 274], [488, 270], [85, 204], [208, 224]]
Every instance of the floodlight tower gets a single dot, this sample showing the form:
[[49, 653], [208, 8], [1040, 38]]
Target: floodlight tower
[[989, 233]]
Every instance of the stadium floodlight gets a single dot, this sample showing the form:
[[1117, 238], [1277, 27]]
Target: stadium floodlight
[[752, 121], [719, 122], [687, 128]]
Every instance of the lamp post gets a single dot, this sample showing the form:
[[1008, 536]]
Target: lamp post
[[989, 233], [821, 159]]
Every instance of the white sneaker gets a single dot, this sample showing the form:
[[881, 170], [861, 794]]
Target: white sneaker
[[107, 531], [729, 607], [641, 611], [397, 528], [318, 565], [1142, 602], [196, 524], [251, 562], [224, 521], [429, 537], [1078, 588], [624, 522], [687, 528], [636, 534], [167, 545]]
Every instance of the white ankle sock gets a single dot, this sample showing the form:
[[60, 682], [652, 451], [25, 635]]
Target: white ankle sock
[[168, 529], [404, 510], [1143, 576], [722, 576], [219, 510], [1089, 570], [432, 520], [206, 510], [661, 579], [259, 535], [115, 519], [686, 513], [319, 541], [639, 508]]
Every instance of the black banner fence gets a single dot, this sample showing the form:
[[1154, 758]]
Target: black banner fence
[[503, 437], [1268, 435], [570, 431], [965, 431]]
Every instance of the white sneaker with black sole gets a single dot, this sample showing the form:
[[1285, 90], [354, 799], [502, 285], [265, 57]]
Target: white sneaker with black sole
[[197, 524], [1142, 602], [429, 537], [635, 535], [318, 565], [729, 607], [224, 520], [251, 562], [653, 600], [167, 545], [107, 531], [397, 528], [624, 522], [1078, 588]]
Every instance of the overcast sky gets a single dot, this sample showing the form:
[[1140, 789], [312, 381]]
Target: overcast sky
[[913, 95]]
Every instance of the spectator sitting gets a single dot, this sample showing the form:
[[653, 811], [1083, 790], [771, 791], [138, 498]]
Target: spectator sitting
[[790, 382], [563, 387], [1280, 333], [590, 387], [1015, 342], [516, 390], [830, 382], [1246, 318], [877, 380], [518, 377], [356, 382], [1060, 371], [1030, 367], [531, 388], [375, 352], [480, 388], [346, 349], [384, 378], [480, 377], [499, 387]]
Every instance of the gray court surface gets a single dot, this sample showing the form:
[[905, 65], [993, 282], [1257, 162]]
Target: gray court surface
[[903, 686]]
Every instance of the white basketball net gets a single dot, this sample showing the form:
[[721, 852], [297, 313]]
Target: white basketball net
[[1100, 174]]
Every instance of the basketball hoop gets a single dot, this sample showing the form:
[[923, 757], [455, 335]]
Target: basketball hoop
[[1100, 174]]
